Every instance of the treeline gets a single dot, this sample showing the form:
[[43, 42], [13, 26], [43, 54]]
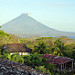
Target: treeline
[[7, 38], [56, 48], [50, 45]]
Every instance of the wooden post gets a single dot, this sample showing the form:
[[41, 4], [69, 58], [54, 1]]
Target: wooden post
[[72, 65], [65, 66], [58, 69], [61, 67]]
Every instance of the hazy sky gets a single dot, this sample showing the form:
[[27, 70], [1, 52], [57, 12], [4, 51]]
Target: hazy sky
[[57, 14]]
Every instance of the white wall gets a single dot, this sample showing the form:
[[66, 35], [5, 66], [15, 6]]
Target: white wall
[[21, 53], [26, 53]]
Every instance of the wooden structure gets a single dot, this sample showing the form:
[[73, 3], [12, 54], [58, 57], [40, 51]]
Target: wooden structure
[[62, 64], [17, 47]]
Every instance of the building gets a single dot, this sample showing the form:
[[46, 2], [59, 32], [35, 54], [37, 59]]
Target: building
[[61, 63], [17, 47]]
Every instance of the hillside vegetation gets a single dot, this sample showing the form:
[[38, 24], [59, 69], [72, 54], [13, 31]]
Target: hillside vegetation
[[62, 46]]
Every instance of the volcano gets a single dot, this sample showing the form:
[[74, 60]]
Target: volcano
[[25, 25]]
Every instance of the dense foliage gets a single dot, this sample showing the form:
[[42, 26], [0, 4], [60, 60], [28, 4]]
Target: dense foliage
[[56, 46]]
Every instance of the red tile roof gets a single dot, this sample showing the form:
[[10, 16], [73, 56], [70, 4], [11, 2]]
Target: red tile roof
[[56, 59]]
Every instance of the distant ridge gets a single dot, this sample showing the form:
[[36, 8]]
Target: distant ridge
[[25, 25]]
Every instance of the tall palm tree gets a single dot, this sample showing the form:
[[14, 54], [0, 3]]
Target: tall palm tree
[[40, 48]]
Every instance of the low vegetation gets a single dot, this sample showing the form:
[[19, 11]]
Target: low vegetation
[[40, 46]]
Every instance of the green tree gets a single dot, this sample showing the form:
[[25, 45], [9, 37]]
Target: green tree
[[73, 55], [33, 60], [57, 52], [43, 69], [6, 56], [40, 48], [50, 67], [5, 52], [17, 58], [59, 47], [59, 43], [36, 60], [67, 51], [27, 60]]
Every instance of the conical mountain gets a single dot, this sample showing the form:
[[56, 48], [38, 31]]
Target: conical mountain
[[24, 25]]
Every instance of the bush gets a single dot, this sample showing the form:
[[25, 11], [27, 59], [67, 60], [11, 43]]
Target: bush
[[50, 67], [17, 58], [5, 52], [43, 69], [33, 60]]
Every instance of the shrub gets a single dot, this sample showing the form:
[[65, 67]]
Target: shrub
[[43, 69], [50, 67], [5, 52], [17, 58]]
